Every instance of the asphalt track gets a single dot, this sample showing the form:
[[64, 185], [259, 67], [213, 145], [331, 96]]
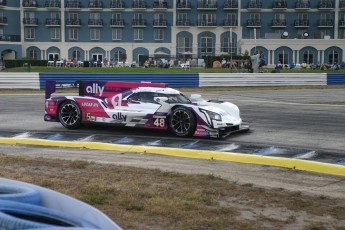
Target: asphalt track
[[311, 120]]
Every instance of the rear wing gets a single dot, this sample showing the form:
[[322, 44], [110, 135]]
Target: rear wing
[[99, 89]]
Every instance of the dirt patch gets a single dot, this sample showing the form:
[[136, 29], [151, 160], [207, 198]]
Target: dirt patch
[[141, 191]]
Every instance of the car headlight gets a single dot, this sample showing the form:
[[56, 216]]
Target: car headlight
[[212, 115]]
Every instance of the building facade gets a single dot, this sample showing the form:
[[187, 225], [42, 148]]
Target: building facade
[[287, 31]]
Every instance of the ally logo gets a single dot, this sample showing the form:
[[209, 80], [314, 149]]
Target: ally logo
[[94, 89]]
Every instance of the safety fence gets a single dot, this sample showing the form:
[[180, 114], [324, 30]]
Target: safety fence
[[37, 80]]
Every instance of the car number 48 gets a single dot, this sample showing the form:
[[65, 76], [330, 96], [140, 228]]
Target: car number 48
[[159, 122]]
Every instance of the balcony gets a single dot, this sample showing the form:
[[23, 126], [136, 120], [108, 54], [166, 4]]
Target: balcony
[[73, 22], [73, 5], [3, 3], [210, 5], [253, 6], [3, 21], [139, 23], [342, 5], [53, 22], [253, 23], [30, 21], [278, 23], [229, 23], [279, 5], [9, 38], [183, 23], [302, 5], [301, 23], [184, 6], [160, 23], [29, 4], [325, 5], [95, 5], [95, 23], [325, 23], [52, 4], [341, 23], [230, 5], [117, 5], [160, 5], [117, 23], [139, 5], [204, 23]]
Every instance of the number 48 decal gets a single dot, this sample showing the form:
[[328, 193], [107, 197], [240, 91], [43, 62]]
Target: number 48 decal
[[159, 122]]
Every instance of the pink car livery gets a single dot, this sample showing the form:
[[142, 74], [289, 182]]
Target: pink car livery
[[142, 104]]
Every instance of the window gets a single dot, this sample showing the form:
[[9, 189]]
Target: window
[[254, 33], [53, 56], [283, 57], [117, 34], [184, 45], [33, 54], [308, 57], [30, 33], [231, 18], [341, 34], [206, 43], [138, 34], [207, 19], [73, 16], [116, 16], [55, 33], [95, 34], [333, 57], [73, 34], [228, 47], [76, 55], [159, 34]]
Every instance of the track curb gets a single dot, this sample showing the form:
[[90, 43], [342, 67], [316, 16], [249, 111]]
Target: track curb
[[297, 164]]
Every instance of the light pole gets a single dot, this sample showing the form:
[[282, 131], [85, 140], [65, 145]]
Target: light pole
[[230, 45]]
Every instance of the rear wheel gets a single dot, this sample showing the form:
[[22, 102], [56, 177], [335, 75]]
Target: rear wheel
[[70, 115], [182, 122]]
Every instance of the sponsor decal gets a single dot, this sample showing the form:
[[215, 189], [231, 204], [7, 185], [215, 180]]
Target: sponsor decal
[[89, 104], [155, 116], [119, 117], [94, 89]]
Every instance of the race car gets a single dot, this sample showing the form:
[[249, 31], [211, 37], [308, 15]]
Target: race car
[[142, 104]]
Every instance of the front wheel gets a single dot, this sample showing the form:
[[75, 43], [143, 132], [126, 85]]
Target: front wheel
[[182, 122], [70, 115]]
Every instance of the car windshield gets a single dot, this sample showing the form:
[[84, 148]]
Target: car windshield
[[177, 98]]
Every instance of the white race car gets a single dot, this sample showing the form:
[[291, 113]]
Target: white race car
[[144, 104]]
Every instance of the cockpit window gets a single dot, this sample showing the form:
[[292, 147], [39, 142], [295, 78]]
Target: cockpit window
[[148, 97]]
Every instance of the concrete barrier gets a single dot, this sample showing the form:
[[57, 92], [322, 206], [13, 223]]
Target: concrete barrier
[[19, 80]]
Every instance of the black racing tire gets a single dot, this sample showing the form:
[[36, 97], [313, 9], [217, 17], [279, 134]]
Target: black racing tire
[[16, 215], [70, 115], [23, 194], [182, 122]]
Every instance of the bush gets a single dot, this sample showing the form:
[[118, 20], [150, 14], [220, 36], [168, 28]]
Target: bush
[[20, 63]]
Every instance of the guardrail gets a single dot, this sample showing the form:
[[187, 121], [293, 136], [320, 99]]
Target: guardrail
[[37, 80]]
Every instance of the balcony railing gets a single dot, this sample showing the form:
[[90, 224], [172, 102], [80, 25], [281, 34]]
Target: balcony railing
[[228, 22], [139, 23], [73, 5], [160, 5], [30, 21], [117, 5], [230, 4], [254, 23], [301, 23], [325, 5], [302, 5], [206, 23], [183, 23], [183, 6], [279, 4], [73, 22], [207, 5], [3, 20], [341, 23], [278, 23], [117, 22], [95, 22], [255, 5], [52, 4], [325, 23], [9, 38], [53, 22], [30, 3], [95, 4], [160, 23], [139, 5]]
